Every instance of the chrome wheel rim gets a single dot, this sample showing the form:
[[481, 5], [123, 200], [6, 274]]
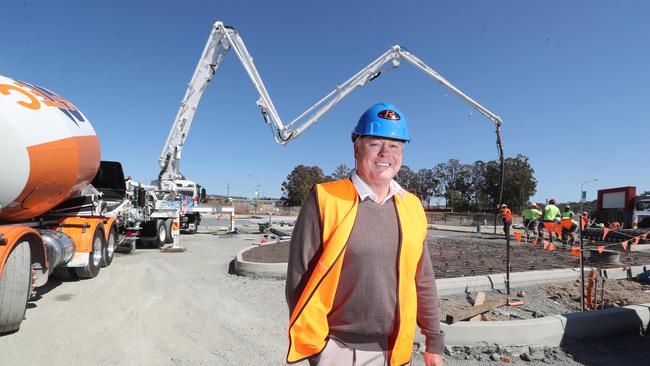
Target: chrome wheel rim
[[97, 251]]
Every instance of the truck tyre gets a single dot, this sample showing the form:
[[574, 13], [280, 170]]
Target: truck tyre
[[195, 219], [161, 234], [15, 286], [91, 270], [109, 247], [168, 224]]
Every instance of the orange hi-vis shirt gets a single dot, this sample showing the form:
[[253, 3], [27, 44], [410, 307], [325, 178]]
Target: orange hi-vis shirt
[[507, 214]]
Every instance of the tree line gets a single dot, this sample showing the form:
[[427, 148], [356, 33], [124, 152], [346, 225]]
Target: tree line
[[465, 187]]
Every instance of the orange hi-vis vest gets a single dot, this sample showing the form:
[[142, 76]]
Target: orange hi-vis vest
[[308, 326], [507, 214]]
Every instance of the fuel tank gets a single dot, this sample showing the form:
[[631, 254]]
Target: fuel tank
[[48, 150]]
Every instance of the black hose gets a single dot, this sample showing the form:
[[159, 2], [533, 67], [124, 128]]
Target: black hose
[[502, 172]]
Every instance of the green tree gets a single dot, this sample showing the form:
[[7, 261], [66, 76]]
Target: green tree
[[407, 179], [341, 172], [456, 177], [519, 183], [427, 185], [299, 182]]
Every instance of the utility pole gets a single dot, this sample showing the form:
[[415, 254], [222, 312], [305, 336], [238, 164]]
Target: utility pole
[[227, 190], [583, 195]]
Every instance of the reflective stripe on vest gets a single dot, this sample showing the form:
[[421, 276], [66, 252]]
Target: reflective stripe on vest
[[308, 327]]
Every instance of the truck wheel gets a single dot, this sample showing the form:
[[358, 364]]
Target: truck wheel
[[161, 234], [95, 263], [109, 248], [168, 224], [15, 285]]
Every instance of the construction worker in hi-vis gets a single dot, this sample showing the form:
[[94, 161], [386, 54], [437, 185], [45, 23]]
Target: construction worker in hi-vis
[[359, 276]]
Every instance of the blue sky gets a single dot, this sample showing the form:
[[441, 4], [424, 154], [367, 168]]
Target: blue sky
[[569, 79]]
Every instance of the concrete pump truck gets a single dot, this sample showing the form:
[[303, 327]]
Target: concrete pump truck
[[61, 211]]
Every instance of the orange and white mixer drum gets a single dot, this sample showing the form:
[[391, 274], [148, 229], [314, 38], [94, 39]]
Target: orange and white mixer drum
[[48, 150]]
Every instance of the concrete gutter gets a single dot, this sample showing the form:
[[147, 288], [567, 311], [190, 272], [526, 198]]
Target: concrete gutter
[[550, 330], [259, 270], [465, 229], [451, 286]]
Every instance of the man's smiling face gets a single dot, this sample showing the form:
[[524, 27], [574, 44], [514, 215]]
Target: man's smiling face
[[378, 159]]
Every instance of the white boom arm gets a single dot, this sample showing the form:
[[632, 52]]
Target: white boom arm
[[224, 38]]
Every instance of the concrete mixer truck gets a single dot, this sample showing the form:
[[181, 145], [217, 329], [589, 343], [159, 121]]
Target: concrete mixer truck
[[52, 219]]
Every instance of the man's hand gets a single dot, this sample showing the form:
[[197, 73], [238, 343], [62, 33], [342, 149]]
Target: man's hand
[[433, 359]]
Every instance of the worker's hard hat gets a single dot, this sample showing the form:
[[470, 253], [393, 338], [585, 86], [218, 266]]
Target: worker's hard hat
[[382, 120], [567, 207], [585, 213], [504, 205], [532, 205], [552, 201]]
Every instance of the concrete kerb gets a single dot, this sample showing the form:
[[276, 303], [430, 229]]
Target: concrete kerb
[[456, 285], [550, 330], [259, 270]]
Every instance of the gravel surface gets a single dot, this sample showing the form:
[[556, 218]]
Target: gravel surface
[[153, 308]]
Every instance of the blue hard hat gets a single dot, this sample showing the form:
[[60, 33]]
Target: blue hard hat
[[382, 120]]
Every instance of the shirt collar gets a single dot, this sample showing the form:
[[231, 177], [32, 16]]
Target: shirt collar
[[365, 191]]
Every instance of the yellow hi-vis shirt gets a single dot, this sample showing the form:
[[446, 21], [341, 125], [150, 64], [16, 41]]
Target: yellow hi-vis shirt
[[532, 214], [551, 212]]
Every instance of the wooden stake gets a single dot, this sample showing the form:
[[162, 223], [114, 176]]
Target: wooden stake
[[480, 298], [462, 314]]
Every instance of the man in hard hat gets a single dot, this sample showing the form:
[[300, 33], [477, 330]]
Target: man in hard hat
[[531, 219], [569, 225], [551, 214], [506, 218], [359, 275], [567, 212]]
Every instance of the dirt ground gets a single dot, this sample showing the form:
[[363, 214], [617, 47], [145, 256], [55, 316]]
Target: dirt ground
[[153, 308], [466, 254], [549, 299], [539, 301]]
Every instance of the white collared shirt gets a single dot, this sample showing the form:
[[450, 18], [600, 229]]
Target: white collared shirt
[[365, 191]]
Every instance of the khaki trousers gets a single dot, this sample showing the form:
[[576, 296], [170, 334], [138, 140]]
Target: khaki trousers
[[337, 354]]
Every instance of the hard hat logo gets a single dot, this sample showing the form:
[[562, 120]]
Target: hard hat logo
[[389, 114]]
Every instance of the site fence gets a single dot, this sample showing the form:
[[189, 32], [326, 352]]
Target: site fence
[[461, 219]]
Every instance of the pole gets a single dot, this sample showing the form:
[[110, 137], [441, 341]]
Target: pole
[[582, 265], [582, 262], [507, 230]]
